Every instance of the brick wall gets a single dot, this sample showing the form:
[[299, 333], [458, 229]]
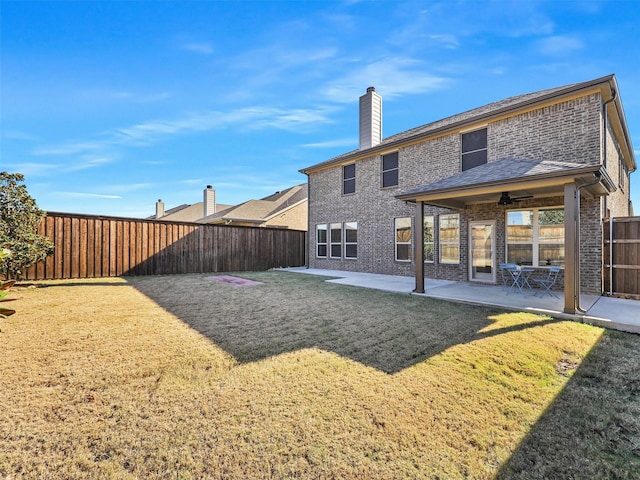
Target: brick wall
[[569, 131]]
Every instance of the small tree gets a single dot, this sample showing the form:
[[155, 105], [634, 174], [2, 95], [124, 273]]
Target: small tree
[[19, 220]]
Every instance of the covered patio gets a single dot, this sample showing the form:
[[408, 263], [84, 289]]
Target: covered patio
[[499, 182]]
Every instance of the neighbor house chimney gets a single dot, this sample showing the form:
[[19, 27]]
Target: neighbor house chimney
[[209, 205], [159, 209], [370, 119]]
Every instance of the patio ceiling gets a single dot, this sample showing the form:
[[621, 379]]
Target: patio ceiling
[[519, 177]]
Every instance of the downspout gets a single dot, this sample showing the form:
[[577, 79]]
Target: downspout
[[576, 259], [605, 119]]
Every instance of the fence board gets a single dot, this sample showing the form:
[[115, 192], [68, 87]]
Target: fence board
[[622, 266], [88, 246]]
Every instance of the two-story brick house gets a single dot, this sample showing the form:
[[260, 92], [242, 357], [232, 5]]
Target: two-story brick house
[[500, 183]]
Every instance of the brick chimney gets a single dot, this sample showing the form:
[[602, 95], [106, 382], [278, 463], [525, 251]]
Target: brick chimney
[[370, 119], [159, 209], [209, 205]]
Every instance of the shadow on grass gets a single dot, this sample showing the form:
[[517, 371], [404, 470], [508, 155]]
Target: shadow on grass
[[289, 312], [592, 429]]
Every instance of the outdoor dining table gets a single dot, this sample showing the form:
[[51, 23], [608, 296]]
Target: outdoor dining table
[[520, 277]]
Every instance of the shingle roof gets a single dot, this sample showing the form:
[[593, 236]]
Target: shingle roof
[[260, 210], [494, 172], [474, 115]]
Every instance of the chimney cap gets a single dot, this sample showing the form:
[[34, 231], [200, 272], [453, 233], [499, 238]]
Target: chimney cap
[[371, 89], [209, 187]]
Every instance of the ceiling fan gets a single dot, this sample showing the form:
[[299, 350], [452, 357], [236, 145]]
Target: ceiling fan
[[505, 199]]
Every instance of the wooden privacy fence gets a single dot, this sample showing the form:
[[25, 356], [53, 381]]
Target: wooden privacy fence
[[95, 246], [622, 245]]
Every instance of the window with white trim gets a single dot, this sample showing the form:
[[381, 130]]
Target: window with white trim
[[429, 238], [351, 240], [449, 238], [403, 239], [535, 237], [321, 240], [335, 236]]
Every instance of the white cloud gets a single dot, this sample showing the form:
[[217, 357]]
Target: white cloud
[[107, 95], [153, 131], [33, 169], [342, 142], [560, 45], [447, 40], [392, 77], [88, 161], [199, 47], [87, 195], [18, 135], [128, 187]]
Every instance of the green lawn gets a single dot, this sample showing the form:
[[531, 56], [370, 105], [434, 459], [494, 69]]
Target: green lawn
[[184, 377]]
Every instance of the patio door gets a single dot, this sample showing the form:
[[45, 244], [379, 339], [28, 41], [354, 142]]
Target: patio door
[[482, 259]]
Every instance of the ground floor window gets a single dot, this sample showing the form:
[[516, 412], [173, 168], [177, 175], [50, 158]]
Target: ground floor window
[[336, 240], [321, 240], [536, 237], [429, 238], [449, 227], [351, 240], [403, 239]]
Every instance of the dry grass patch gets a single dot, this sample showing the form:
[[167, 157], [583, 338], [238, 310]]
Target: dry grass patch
[[182, 377]]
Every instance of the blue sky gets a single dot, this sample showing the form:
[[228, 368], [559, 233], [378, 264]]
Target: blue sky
[[108, 106]]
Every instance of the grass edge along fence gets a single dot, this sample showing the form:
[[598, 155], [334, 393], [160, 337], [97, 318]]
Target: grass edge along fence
[[91, 246]]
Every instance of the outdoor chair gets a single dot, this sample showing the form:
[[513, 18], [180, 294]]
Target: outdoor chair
[[508, 281], [547, 283]]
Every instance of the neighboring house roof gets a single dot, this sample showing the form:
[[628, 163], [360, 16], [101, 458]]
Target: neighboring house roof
[[508, 105], [482, 182], [186, 212], [260, 211]]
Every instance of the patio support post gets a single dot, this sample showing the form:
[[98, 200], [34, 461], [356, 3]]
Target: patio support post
[[571, 241], [418, 256]]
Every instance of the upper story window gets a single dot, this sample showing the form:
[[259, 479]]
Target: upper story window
[[474, 149], [622, 170], [349, 179], [390, 170]]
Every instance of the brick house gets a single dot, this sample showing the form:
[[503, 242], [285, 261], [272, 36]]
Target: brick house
[[500, 183], [284, 209]]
